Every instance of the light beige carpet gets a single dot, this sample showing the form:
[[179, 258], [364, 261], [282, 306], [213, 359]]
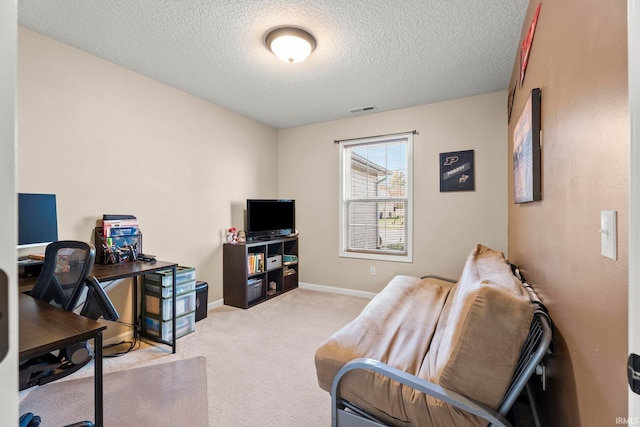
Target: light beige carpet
[[259, 362], [168, 394]]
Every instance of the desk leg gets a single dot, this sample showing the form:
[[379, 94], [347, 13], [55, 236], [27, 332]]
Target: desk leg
[[173, 317], [136, 325], [97, 371]]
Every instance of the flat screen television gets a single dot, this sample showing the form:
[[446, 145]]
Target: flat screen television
[[270, 218], [37, 219]]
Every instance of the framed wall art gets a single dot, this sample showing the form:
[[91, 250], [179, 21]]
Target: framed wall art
[[527, 153], [457, 171], [510, 99], [525, 48]]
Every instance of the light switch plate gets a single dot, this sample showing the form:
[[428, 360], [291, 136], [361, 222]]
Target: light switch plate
[[4, 315], [608, 234]]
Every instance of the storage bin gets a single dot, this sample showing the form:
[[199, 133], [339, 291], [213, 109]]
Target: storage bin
[[290, 281], [162, 307], [167, 291], [163, 329], [183, 274], [274, 262], [254, 289]]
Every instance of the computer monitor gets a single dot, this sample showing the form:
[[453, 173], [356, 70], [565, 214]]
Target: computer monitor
[[37, 220]]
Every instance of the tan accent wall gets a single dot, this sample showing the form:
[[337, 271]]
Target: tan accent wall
[[108, 140], [579, 60], [447, 225]]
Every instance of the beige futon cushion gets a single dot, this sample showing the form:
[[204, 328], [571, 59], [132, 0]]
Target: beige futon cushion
[[484, 323]]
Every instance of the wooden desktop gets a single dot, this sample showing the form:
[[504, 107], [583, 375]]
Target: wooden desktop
[[44, 328], [123, 270]]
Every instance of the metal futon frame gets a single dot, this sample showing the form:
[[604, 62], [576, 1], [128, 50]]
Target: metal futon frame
[[535, 347]]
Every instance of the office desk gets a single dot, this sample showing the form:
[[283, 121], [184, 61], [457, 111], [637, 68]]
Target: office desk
[[123, 270], [44, 328]]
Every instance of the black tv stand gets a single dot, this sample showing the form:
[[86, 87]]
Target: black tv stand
[[256, 271]]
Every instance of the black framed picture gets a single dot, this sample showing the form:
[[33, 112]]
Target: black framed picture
[[457, 171], [526, 152]]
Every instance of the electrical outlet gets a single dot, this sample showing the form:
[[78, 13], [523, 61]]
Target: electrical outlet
[[372, 270]]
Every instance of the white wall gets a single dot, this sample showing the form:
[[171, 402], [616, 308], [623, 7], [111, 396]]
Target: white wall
[[8, 366], [447, 225], [108, 140]]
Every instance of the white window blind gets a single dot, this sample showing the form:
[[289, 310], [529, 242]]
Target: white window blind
[[375, 209]]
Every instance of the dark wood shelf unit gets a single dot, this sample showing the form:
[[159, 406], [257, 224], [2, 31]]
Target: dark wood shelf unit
[[240, 285]]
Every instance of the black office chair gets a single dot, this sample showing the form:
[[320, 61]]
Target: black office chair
[[67, 264], [63, 282]]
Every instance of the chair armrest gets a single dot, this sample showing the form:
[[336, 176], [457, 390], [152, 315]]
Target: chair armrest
[[98, 303], [426, 387]]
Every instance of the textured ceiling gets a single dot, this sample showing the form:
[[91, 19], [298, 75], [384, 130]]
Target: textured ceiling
[[388, 53]]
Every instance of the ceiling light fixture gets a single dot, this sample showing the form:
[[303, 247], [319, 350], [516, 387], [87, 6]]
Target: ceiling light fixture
[[290, 44]]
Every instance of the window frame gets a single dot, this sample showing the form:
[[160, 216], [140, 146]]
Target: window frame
[[344, 169]]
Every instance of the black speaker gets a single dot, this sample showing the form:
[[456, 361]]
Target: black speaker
[[202, 293]]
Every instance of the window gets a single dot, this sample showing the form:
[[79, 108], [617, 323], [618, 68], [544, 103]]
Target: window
[[376, 198]]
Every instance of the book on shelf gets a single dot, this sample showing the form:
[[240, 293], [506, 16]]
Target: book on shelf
[[255, 263]]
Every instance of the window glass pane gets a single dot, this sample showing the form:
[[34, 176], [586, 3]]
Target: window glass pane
[[376, 226], [362, 226], [378, 170], [392, 227]]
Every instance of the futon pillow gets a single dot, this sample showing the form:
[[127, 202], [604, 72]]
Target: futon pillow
[[484, 323]]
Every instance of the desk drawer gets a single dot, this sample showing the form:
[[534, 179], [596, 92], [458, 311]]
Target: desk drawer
[[163, 330], [167, 291], [163, 307], [163, 278]]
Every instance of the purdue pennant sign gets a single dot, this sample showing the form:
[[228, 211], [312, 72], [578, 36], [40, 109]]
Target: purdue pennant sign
[[457, 171]]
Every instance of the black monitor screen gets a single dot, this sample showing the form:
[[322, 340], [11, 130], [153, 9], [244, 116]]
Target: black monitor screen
[[37, 219]]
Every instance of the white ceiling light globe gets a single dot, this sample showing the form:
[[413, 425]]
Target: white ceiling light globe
[[290, 44]]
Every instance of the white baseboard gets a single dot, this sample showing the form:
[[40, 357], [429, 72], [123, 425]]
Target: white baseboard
[[333, 289], [215, 304], [124, 336]]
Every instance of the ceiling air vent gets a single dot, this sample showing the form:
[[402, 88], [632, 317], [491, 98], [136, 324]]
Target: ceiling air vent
[[363, 109]]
